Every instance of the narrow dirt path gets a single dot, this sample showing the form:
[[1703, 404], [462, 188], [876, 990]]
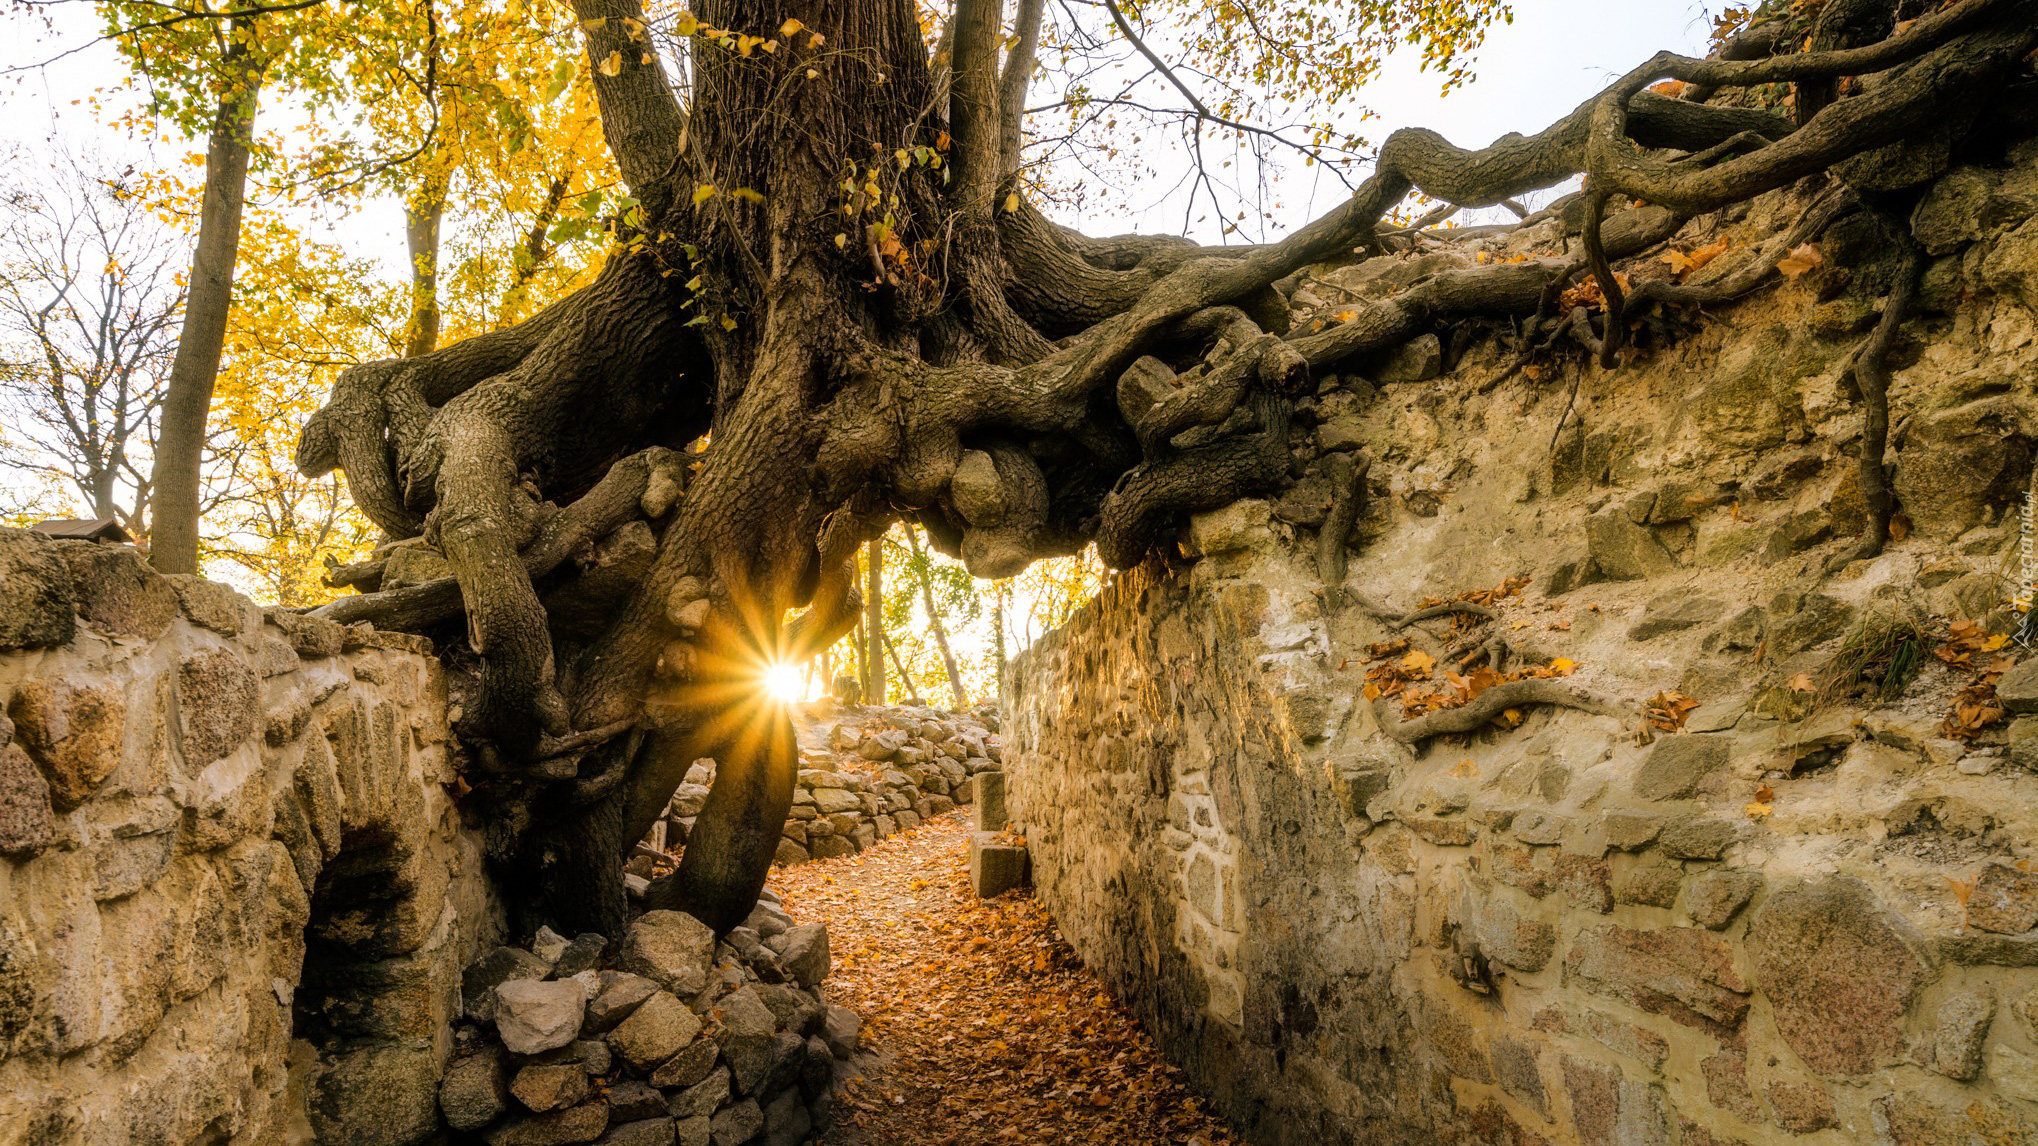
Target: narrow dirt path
[[980, 1024]]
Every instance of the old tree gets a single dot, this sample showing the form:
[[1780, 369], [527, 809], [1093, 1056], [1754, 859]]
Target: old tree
[[832, 305]]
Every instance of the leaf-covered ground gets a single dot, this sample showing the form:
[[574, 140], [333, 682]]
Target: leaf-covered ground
[[980, 1022]]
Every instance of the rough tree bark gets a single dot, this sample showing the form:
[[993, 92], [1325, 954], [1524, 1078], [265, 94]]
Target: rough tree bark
[[867, 338], [187, 398], [423, 210]]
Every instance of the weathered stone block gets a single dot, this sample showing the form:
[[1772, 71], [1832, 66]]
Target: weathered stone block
[[37, 606], [1673, 613], [376, 1095], [737, 1124], [1839, 973], [1447, 832], [632, 1101], [1726, 1084], [1241, 525], [1717, 896], [841, 1029], [216, 705], [1594, 1092], [655, 1031], [702, 1098], [1802, 1107], [671, 948], [1644, 1046], [1953, 1047], [1679, 972], [313, 638], [746, 1030], [620, 994], [549, 1086], [1677, 764], [583, 1123], [1540, 828], [689, 1066], [27, 825], [1950, 214], [1586, 881], [2005, 900], [1524, 944], [1697, 838], [1913, 1118], [803, 951], [213, 605], [2018, 688], [1622, 550], [1516, 1070], [1951, 463], [1631, 831], [473, 1092], [117, 592], [533, 1016], [988, 794], [73, 732], [995, 867], [786, 1122], [1650, 885]]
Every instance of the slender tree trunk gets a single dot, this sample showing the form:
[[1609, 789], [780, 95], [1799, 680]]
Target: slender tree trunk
[[899, 666], [1018, 76], [187, 400], [423, 210], [998, 591], [874, 622], [934, 619], [862, 658]]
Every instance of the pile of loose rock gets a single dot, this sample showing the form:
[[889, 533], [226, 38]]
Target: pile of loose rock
[[865, 774], [670, 1038]]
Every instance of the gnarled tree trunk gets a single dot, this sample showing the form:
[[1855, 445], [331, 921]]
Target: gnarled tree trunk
[[823, 278]]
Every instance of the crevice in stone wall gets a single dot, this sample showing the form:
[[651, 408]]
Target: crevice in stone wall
[[365, 1005], [353, 909]]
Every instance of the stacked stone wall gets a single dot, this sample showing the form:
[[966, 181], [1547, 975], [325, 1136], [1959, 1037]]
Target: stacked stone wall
[[866, 772], [235, 893], [1807, 915]]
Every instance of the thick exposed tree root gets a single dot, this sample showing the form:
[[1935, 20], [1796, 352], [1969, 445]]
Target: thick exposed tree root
[[1347, 502], [1480, 710]]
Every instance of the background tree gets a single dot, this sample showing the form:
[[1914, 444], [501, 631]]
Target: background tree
[[833, 292], [959, 597], [222, 56], [89, 304]]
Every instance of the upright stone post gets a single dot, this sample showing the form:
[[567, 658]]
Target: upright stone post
[[997, 863], [989, 797]]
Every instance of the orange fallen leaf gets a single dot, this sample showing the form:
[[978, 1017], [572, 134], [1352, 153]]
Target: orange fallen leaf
[[1801, 258]]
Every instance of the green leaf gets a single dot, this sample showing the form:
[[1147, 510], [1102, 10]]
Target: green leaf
[[562, 78]]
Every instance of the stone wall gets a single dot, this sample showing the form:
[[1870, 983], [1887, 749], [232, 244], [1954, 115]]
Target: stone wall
[[235, 894], [866, 772], [1808, 916]]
